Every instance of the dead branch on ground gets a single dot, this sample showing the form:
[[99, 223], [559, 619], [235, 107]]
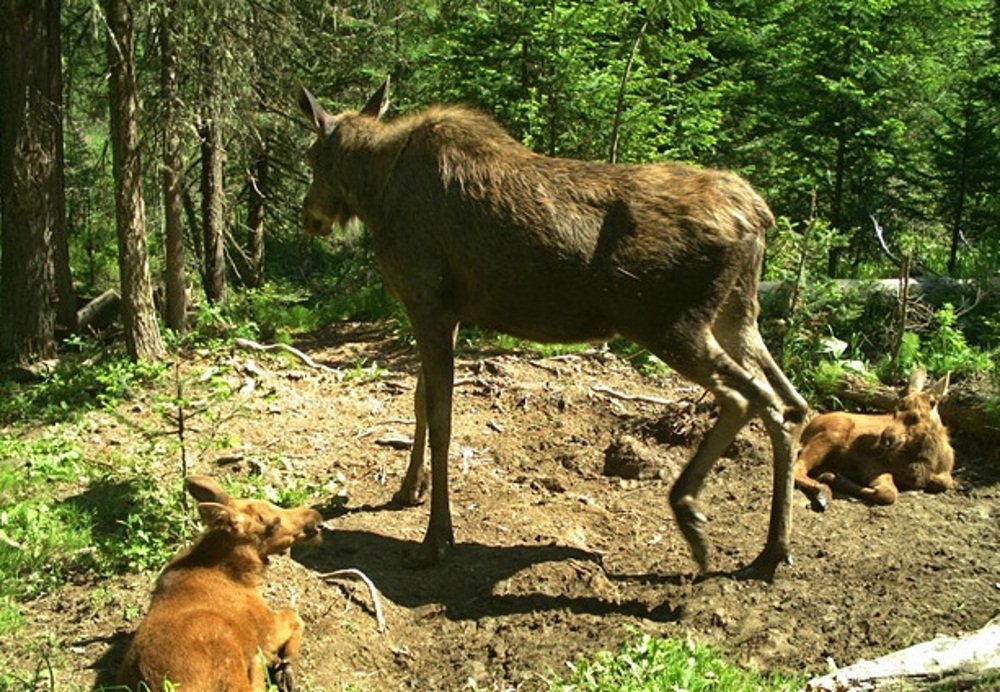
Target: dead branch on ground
[[330, 577]]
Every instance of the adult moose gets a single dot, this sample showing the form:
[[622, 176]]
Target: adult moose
[[471, 226]]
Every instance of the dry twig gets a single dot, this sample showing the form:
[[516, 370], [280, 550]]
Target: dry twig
[[329, 577], [603, 389], [254, 346]]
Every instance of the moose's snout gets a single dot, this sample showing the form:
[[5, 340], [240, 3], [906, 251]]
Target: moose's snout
[[312, 524], [316, 225]]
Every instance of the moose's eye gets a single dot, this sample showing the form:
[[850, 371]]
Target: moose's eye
[[271, 526], [911, 419]]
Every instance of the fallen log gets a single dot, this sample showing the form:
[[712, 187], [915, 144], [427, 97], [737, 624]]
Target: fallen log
[[936, 290], [942, 663], [100, 312]]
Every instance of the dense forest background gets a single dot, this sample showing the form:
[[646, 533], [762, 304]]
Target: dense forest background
[[156, 148]]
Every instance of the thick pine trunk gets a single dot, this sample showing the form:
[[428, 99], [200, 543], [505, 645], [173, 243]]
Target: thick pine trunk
[[175, 314], [30, 178], [142, 333], [212, 159]]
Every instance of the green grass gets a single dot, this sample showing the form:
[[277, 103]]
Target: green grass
[[648, 663]]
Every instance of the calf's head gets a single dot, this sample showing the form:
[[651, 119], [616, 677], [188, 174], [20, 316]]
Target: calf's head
[[266, 528], [330, 199], [920, 452]]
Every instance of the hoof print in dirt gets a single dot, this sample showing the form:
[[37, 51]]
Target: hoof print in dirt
[[627, 457]]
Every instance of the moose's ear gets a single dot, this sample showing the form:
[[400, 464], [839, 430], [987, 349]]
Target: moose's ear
[[379, 102], [222, 518], [321, 120], [917, 380], [205, 489], [940, 388]]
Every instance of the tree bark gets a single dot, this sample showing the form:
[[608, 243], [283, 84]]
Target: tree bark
[[620, 101], [31, 193], [142, 333], [211, 211], [212, 162], [255, 220], [175, 314]]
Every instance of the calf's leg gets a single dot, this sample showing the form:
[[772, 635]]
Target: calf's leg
[[812, 454]]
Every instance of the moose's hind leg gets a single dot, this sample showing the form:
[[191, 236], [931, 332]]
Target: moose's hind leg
[[414, 485], [697, 355]]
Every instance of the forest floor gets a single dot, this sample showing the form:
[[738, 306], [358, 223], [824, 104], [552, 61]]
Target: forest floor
[[554, 558]]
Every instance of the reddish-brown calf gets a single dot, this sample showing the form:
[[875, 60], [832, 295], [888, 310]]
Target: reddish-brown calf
[[208, 627], [872, 456]]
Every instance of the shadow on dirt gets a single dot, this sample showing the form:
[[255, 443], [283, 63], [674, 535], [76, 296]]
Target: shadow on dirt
[[108, 663], [475, 579]]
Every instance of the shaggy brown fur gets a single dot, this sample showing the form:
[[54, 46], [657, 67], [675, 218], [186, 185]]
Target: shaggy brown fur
[[470, 226], [208, 628], [871, 457]]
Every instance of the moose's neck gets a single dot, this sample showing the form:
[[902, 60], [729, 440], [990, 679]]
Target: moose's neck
[[372, 150]]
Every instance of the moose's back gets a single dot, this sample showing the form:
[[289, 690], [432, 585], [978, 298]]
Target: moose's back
[[555, 249]]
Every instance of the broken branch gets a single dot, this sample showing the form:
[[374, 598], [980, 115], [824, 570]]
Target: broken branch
[[254, 346]]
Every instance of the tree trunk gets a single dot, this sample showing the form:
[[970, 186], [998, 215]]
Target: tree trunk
[[212, 158], [959, 212], [142, 333], [31, 196], [620, 101], [255, 220], [211, 211], [66, 305], [175, 314]]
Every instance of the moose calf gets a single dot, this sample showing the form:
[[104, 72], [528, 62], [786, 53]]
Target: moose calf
[[208, 627], [869, 456]]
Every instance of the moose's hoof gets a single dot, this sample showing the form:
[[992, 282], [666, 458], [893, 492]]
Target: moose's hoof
[[429, 554], [821, 500], [410, 494], [281, 676], [764, 566], [692, 524]]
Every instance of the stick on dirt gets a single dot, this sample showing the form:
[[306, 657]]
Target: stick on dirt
[[329, 577], [254, 346]]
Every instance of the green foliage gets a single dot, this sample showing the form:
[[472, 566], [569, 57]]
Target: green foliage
[[93, 378], [45, 539], [943, 349], [63, 515], [648, 663]]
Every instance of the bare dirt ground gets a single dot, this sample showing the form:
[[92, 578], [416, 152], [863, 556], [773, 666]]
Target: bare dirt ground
[[555, 559]]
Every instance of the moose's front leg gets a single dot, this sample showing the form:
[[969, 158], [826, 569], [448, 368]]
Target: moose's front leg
[[436, 340], [283, 644], [415, 483]]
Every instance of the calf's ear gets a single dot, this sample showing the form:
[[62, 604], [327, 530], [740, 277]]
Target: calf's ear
[[379, 102], [218, 517], [917, 380], [205, 489], [940, 388]]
